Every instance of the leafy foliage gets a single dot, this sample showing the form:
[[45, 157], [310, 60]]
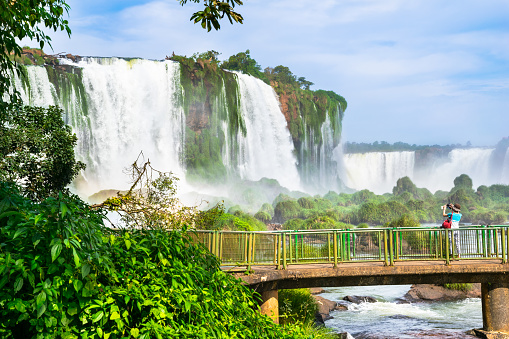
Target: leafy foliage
[[26, 20], [215, 10], [63, 274], [37, 151], [297, 305], [244, 63]]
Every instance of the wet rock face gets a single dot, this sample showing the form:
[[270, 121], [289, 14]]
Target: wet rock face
[[430, 293], [357, 299]]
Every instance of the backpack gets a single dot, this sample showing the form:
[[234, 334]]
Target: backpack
[[448, 222]]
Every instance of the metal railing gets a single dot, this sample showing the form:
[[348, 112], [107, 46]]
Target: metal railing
[[387, 245]]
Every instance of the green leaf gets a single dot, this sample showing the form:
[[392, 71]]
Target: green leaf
[[114, 316], [76, 257], [52, 269], [19, 231], [8, 214], [41, 298], [77, 285], [55, 251], [98, 316], [37, 218], [63, 209], [41, 310], [135, 332], [72, 311], [127, 244], [99, 332], [85, 270], [18, 284]]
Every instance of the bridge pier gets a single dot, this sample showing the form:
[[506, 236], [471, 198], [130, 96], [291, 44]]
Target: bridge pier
[[495, 307], [270, 305]]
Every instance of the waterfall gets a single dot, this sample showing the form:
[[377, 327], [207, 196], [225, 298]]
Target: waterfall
[[474, 162], [132, 106], [505, 168], [377, 171], [266, 149], [118, 108]]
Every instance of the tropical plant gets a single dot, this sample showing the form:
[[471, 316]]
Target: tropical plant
[[297, 305], [63, 274], [21, 20], [37, 151], [214, 11]]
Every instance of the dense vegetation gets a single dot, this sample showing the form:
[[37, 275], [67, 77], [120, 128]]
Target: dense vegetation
[[384, 146], [63, 274], [407, 206]]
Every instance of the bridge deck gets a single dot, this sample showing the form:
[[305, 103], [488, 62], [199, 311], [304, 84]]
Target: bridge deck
[[265, 278]]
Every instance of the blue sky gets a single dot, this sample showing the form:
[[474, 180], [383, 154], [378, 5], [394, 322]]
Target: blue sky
[[417, 71]]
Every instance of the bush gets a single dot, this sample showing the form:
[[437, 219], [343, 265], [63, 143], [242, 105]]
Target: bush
[[459, 287], [63, 274], [286, 210], [263, 216], [297, 305], [293, 224]]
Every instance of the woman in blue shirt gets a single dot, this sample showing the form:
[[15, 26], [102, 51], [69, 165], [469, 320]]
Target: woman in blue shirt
[[455, 217]]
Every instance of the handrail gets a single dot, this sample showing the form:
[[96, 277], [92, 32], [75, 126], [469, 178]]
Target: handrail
[[338, 246]]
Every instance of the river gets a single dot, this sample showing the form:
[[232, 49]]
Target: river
[[389, 319]]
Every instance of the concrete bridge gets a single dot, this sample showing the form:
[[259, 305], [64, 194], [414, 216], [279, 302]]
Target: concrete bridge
[[270, 261]]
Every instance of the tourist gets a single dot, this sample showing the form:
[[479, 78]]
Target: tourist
[[454, 216]]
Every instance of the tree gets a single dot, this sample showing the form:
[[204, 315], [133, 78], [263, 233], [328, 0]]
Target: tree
[[243, 62], [37, 151], [26, 19], [304, 84], [215, 10]]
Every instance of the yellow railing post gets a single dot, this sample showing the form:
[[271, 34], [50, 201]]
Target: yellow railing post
[[284, 251], [502, 241], [335, 244], [328, 247], [391, 248], [386, 249]]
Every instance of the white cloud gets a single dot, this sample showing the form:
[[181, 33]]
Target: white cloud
[[390, 59]]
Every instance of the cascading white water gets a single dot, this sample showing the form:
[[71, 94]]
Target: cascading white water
[[266, 150], [377, 171], [474, 162], [133, 106], [505, 168], [40, 92]]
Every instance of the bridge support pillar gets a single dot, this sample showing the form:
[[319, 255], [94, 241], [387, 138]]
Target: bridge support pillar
[[270, 305], [495, 310]]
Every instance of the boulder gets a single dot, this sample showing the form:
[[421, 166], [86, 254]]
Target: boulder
[[357, 299], [429, 293]]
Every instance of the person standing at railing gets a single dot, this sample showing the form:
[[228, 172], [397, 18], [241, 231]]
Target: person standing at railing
[[454, 216]]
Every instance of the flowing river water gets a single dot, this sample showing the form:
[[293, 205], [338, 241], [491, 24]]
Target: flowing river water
[[389, 318]]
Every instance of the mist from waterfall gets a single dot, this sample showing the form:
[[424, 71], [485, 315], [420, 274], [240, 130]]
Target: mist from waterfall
[[377, 171], [505, 168], [474, 162]]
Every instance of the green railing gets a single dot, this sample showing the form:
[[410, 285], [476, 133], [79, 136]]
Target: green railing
[[283, 248]]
